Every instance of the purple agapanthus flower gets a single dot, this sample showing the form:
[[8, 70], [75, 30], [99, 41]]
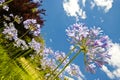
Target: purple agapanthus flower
[[10, 31], [21, 43], [92, 43], [48, 51], [5, 7], [77, 32], [35, 45], [60, 56], [91, 67], [32, 25], [48, 63], [2, 1], [74, 70]]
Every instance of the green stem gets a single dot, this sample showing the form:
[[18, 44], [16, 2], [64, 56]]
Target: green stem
[[1, 28], [18, 54], [23, 53], [15, 53], [1, 20], [27, 52], [10, 46], [67, 64], [12, 58], [24, 33], [62, 61], [6, 2]]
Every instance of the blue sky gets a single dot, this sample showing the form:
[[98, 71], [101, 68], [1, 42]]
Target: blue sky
[[60, 14]]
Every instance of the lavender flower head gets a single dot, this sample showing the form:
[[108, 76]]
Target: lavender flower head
[[35, 45], [4, 6], [59, 55], [92, 43], [10, 31], [47, 52], [77, 32], [74, 70], [48, 63], [32, 25], [1, 2], [21, 43]]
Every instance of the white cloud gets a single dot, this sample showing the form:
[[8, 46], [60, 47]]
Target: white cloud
[[92, 4], [114, 62], [108, 72], [115, 58], [104, 4], [73, 9], [83, 2]]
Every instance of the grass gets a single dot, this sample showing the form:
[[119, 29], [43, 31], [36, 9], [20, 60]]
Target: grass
[[9, 69], [17, 69]]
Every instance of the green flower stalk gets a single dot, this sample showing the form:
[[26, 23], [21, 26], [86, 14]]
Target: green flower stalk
[[67, 65]]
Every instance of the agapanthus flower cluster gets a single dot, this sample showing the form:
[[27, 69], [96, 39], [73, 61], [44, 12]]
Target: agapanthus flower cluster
[[21, 43], [56, 56], [2, 1], [35, 45], [32, 25], [10, 31], [51, 59], [59, 55], [74, 70], [92, 42], [4, 6], [48, 63]]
